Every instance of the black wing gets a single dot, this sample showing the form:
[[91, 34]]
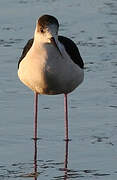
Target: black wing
[[25, 50], [72, 50]]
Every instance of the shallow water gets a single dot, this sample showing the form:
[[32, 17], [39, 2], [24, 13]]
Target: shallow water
[[92, 152]]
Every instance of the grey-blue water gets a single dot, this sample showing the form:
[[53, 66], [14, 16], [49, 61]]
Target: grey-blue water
[[92, 153]]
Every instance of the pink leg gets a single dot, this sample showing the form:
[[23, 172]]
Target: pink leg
[[66, 117], [35, 114]]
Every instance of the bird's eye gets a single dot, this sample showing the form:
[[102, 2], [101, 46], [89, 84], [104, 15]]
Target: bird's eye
[[41, 30]]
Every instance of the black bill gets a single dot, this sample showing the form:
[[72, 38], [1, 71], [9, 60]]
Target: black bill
[[55, 44]]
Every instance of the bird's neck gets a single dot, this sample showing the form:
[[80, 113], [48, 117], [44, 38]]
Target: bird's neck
[[37, 44]]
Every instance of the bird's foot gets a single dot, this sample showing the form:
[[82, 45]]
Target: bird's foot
[[67, 140], [35, 139]]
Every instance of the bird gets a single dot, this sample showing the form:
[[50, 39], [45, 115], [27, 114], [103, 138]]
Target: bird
[[50, 64]]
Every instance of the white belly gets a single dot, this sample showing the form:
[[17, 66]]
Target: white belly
[[50, 73]]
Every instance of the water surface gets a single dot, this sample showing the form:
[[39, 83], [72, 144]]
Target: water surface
[[92, 152]]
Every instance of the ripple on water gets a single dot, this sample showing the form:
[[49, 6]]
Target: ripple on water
[[10, 42], [23, 2], [25, 170]]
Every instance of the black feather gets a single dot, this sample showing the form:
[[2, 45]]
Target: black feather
[[72, 50], [69, 45], [25, 50]]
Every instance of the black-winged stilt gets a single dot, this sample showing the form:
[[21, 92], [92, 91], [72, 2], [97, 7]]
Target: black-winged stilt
[[50, 64]]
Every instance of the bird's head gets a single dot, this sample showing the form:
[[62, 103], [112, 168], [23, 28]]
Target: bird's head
[[47, 30]]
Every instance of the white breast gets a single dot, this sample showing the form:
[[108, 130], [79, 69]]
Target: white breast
[[45, 71]]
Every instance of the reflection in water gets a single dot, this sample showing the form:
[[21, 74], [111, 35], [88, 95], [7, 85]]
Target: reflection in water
[[65, 169], [17, 170], [34, 174], [66, 161], [35, 159]]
